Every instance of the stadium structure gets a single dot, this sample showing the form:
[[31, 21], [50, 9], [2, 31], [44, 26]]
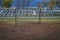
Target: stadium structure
[[28, 12]]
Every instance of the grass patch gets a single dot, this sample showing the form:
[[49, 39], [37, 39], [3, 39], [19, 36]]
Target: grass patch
[[12, 20], [50, 20], [7, 20]]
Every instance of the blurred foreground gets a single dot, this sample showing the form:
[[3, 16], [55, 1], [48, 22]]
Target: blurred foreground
[[30, 31]]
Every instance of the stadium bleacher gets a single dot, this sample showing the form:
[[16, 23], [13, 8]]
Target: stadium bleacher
[[29, 12]]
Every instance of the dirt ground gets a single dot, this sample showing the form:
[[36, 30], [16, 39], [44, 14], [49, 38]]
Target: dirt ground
[[30, 31]]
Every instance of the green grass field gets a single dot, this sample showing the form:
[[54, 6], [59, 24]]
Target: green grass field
[[13, 20]]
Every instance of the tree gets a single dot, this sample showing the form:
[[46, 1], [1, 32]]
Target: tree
[[22, 3], [7, 3], [45, 3], [52, 4], [18, 4], [26, 5], [58, 3]]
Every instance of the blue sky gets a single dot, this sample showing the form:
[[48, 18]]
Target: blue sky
[[0, 2], [33, 3]]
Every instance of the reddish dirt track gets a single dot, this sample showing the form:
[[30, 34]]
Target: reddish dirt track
[[30, 31]]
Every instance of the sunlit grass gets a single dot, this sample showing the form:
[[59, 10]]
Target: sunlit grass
[[50, 20], [12, 20], [8, 20]]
